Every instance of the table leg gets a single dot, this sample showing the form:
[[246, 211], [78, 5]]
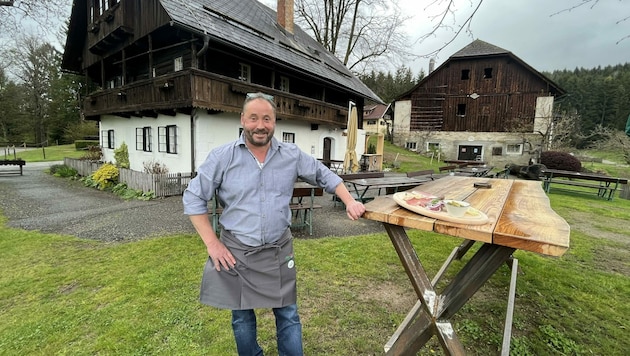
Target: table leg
[[421, 328], [431, 316]]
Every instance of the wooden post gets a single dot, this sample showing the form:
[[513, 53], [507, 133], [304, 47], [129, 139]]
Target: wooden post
[[625, 191]]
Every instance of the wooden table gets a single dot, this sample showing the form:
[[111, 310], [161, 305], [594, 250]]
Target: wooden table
[[605, 186], [476, 171], [393, 183], [520, 218]]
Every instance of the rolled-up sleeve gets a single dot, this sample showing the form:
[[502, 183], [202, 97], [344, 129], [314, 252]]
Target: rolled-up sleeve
[[201, 189]]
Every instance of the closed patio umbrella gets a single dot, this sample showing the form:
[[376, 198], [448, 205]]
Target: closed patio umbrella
[[350, 161]]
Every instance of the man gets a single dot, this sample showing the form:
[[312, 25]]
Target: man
[[252, 264]]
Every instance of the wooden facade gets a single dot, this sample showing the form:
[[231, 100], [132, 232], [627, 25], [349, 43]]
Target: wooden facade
[[493, 93], [141, 64]]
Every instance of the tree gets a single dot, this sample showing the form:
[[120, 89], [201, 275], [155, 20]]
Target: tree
[[39, 66], [10, 115], [43, 12], [363, 34]]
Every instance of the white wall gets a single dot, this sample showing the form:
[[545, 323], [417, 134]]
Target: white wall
[[212, 130]]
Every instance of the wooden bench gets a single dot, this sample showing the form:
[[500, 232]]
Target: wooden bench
[[350, 176], [303, 208], [425, 173], [449, 168], [605, 186], [13, 162]]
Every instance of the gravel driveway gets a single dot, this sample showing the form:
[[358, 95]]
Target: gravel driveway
[[39, 201]]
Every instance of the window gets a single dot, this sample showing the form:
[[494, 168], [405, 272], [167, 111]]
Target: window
[[465, 74], [433, 146], [411, 145], [107, 138], [143, 139], [461, 110], [288, 137], [497, 151], [245, 73], [371, 122], [178, 64], [167, 139], [514, 149], [284, 84], [487, 73]]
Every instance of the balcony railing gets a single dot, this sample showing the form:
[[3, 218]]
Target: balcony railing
[[200, 89]]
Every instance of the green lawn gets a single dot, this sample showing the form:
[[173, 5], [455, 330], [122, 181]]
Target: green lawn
[[52, 153], [62, 295]]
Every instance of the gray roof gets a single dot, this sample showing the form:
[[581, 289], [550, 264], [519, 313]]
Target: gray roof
[[479, 48], [253, 27]]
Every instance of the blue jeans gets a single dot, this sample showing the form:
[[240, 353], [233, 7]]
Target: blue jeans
[[288, 332]]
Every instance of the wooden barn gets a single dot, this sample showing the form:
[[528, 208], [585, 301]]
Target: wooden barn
[[168, 77], [482, 103]]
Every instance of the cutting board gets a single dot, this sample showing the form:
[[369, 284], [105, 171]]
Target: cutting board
[[472, 217]]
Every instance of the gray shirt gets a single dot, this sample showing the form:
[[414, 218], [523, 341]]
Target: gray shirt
[[255, 198]]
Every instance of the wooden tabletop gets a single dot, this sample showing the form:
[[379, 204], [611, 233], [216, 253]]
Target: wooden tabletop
[[519, 212]]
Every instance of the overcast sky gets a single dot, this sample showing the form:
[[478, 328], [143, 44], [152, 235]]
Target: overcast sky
[[583, 37]]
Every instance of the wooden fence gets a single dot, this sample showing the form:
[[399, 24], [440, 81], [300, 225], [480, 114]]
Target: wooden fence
[[163, 185]]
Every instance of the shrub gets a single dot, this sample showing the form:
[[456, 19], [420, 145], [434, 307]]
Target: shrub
[[61, 170], [105, 177], [121, 155], [153, 167], [560, 160], [85, 144], [94, 153]]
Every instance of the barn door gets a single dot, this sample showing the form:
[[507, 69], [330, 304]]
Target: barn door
[[469, 153]]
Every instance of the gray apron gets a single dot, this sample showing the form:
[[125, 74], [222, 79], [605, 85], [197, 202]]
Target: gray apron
[[263, 277]]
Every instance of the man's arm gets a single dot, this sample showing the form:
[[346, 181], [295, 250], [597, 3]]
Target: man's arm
[[354, 209], [220, 255]]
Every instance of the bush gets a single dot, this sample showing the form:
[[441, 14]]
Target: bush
[[85, 144], [560, 160], [94, 154], [105, 177], [61, 170], [121, 155]]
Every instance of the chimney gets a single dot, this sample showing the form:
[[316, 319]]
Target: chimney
[[285, 14], [431, 64]]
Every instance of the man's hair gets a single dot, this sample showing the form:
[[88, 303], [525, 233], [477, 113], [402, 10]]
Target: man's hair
[[253, 96]]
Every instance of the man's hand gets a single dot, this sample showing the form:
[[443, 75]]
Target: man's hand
[[354, 210], [220, 255]]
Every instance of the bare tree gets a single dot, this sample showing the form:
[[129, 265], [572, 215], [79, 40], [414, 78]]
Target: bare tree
[[364, 34], [592, 4], [45, 14]]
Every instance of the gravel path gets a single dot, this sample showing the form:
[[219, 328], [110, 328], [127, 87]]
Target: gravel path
[[39, 201]]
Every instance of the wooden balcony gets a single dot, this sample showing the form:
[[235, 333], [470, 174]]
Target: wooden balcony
[[199, 89], [110, 30]]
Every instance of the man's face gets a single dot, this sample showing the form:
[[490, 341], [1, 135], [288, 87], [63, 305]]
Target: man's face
[[258, 121]]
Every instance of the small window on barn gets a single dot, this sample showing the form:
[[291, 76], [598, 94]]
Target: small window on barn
[[514, 149], [461, 110], [433, 147], [288, 137], [497, 151], [465, 74], [487, 73], [245, 73], [178, 64], [143, 139], [411, 145]]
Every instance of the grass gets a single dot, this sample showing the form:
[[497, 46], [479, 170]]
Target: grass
[[51, 153], [61, 295]]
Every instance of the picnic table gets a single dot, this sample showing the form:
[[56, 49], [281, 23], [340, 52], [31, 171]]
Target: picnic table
[[473, 171], [519, 218], [13, 162], [605, 185], [390, 183]]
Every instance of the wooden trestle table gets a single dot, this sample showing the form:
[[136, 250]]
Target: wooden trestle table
[[520, 218]]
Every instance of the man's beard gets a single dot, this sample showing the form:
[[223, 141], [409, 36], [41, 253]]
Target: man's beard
[[250, 137]]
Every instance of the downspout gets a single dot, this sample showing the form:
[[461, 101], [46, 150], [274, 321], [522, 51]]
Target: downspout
[[193, 122], [206, 44]]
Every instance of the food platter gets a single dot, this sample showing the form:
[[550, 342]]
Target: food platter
[[415, 201]]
